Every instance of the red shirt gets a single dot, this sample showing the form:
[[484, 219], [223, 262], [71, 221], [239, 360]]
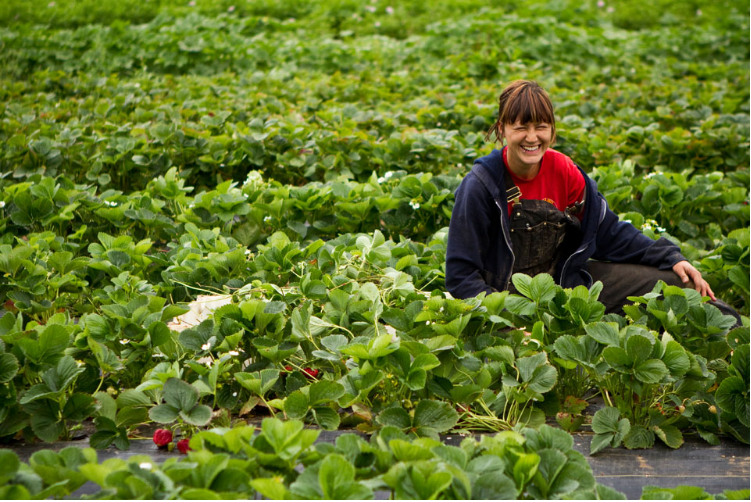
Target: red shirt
[[559, 181]]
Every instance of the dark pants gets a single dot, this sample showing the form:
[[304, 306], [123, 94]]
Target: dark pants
[[621, 280]]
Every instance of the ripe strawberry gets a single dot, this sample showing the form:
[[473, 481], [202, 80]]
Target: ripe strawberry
[[311, 372], [162, 437], [182, 446]]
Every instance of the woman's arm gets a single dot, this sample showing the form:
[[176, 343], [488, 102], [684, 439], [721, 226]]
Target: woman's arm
[[468, 237]]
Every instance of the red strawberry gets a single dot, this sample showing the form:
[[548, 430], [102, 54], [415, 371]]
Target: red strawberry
[[162, 437], [182, 446], [311, 372]]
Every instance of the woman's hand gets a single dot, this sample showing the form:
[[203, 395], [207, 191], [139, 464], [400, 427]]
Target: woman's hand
[[688, 272]]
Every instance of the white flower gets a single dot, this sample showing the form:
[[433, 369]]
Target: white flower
[[377, 24], [110, 203], [2, 204], [234, 394], [191, 205], [267, 218], [247, 252], [381, 180], [206, 346], [660, 229], [231, 8], [390, 330], [698, 12], [440, 309], [370, 8], [145, 465], [427, 323], [414, 205], [233, 353], [600, 4], [124, 341], [610, 10], [389, 10], [388, 174], [192, 3]]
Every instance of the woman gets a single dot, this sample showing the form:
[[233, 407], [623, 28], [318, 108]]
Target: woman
[[530, 209]]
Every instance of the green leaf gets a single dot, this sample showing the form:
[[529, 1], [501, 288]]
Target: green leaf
[[639, 348], [271, 489], [163, 414], [669, 434], [522, 284], [180, 395], [326, 418], [275, 307], [541, 288], [195, 338], [733, 397], [675, 359], [200, 415], [639, 437], [525, 469], [9, 461], [528, 365], [604, 332], [543, 379], [335, 472], [8, 367], [436, 414], [600, 442], [494, 486], [502, 353], [651, 371], [296, 405], [395, 417], [324, 392], [605, 420], [79, 407], [617, 358]]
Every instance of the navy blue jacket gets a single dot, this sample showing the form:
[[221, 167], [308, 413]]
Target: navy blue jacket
[[479, 255]]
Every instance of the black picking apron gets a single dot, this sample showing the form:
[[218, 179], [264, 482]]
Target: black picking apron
[[538, 231]]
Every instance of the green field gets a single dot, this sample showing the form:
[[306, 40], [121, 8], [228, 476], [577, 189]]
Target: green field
[[300, 158]]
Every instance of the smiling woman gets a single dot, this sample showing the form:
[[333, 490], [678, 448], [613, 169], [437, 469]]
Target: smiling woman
[[542, 225]]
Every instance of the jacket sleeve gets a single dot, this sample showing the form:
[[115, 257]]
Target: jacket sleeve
[[620, 242], [468, 236]]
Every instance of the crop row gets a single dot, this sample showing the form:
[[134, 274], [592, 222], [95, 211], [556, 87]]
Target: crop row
[[96, 100], [241, 462]]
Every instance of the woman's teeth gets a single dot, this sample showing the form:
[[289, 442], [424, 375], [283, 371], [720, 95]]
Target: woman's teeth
[[530, 149]]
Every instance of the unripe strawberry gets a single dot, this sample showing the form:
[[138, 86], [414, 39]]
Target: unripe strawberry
[[713, 410], [182, 446], [162, 437], [681, 408]]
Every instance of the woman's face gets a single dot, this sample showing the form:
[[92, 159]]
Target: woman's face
[[526, 144]]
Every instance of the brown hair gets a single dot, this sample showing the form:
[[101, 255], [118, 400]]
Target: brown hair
[[524, 101]]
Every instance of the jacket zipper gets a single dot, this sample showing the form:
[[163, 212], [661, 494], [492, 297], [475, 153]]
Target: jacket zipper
[[505, 238], [582, 248]]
